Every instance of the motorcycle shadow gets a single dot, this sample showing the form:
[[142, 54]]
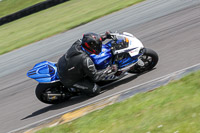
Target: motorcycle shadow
[[71, 102]]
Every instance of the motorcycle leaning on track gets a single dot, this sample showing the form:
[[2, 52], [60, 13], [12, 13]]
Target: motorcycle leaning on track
[[124, 51]]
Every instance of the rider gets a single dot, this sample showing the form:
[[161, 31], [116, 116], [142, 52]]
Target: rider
[[77, 70]]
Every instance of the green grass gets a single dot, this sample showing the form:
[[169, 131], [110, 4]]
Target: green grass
[[10, 6], [55, 20], [174, 108]]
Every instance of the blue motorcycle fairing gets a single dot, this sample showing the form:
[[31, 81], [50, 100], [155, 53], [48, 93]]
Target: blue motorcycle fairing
[[103, 59], [44, 72]]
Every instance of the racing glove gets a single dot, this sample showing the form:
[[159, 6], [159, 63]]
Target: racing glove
[[107, 35]]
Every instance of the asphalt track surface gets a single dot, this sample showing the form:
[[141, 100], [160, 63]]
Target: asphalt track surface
[[170, 27]]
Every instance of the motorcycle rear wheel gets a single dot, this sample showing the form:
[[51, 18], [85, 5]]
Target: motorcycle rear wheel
[[150, 59], [43, 90]]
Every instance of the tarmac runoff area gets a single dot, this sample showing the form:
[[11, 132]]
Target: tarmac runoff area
[[105, 101]]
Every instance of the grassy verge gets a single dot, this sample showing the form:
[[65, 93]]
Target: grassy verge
[[11, 6], [55, 20], [174, 108]]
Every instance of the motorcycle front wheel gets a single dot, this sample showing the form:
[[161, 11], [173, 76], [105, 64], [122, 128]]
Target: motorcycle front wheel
[[149, 59]]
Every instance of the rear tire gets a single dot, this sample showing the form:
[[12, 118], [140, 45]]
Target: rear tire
[[43, 89], [150, 59]]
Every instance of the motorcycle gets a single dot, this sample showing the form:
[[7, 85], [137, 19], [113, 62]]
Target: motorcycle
[[123, 50]]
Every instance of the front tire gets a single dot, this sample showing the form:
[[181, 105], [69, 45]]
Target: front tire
[[150, 59]]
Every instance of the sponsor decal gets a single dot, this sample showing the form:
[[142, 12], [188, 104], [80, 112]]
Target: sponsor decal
[[71, 68]]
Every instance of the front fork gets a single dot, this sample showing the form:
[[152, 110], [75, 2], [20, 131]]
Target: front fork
[[140, 63]]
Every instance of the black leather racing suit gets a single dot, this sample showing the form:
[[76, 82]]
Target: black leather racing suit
[[76, 69]]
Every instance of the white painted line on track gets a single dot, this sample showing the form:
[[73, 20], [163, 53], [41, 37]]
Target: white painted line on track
[[151, 81]]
